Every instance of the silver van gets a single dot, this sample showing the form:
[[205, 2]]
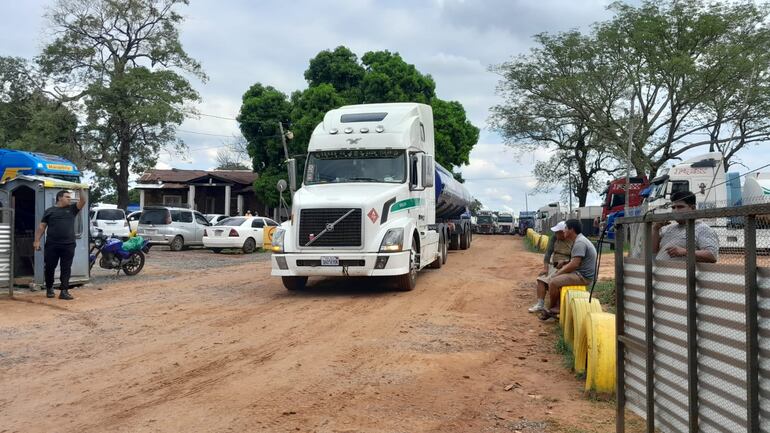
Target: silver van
[[176, 227]]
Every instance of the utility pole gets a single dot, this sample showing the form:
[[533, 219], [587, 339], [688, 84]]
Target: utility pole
[[526, 202], [628, 155], [291, 164], [569, 184]]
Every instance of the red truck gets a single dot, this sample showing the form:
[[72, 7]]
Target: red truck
[[615, 194]]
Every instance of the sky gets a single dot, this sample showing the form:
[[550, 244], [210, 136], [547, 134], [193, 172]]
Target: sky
[[241, 42]]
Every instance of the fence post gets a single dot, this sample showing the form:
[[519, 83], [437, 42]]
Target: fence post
[[649, 256], [692, 330], [752, 325], [620, 348]]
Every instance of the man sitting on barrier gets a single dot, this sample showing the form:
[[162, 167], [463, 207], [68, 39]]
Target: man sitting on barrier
[[580, 271], [556, 255], [669, 240]]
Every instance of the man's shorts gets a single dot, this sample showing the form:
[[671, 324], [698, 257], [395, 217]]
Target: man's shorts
[[571, 279], [545, 278]]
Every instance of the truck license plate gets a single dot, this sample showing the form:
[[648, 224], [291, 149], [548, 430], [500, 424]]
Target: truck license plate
[[330, 261]]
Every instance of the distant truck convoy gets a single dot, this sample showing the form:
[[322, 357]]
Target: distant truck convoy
[[373, 201]]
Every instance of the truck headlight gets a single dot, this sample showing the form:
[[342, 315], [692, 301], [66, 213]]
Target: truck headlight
[[277, 243], [393, 241]]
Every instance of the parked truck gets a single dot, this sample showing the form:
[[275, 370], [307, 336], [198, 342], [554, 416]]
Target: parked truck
[[526, 221], [373, 202], [505, 223], [487, 222], [547, 217], [615, 194], [17, 162]]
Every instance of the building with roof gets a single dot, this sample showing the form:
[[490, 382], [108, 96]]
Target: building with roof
[[227, 192]]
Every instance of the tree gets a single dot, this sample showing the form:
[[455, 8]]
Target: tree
[[548, 97], [308, 109], [30, 120], [234, 156], [389, 78], [682, 63], [340, 69], [262, 109], [119, 63], [476, 206], [455, 135]]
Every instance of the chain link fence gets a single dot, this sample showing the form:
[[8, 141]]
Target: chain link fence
[[693, 318]]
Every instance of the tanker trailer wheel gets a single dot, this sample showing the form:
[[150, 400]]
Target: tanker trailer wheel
[[444, 249], [454, 241], [408, 281], [465, 240]]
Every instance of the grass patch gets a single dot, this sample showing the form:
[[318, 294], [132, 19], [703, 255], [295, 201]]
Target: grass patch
[[605, 293], [568, 359], [530, 246]]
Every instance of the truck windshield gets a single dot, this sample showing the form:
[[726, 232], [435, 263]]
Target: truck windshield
[[485, 219], [505, 219], [338, 166]]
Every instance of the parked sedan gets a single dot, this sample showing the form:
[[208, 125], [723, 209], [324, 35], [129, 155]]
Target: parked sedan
[[244, 233]]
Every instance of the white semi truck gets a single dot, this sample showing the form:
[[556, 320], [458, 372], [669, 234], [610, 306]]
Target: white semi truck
[[373, 202]]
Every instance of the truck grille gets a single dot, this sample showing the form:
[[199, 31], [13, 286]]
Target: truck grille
[[347, 233]]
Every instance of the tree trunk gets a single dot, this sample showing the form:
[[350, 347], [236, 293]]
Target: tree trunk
[[121, 183]]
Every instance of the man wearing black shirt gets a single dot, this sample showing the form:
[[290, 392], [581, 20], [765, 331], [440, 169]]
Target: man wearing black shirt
[[59, 221]]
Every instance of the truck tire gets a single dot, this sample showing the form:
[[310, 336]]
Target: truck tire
[[444, 250], [408, 281], [465, 240], [454, 241], [294, 283], [440, 259]]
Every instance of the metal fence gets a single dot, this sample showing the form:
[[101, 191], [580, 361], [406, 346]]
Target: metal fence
[[693, 348], [7, 249]]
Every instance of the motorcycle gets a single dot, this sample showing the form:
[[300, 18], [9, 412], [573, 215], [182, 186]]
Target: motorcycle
[[114, 256]]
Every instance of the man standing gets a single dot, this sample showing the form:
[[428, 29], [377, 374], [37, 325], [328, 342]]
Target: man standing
[[59, 221], [669, 241], [580, 271], [556, 255]]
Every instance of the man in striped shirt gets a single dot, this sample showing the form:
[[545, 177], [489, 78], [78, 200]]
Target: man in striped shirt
[[669, 240]]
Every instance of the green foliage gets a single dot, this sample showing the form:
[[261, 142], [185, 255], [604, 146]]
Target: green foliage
[[455, 134], [262, 109], [697, 73], [265, 186], [126, 60], [390, 79], [30, 120], [336, 78], [476, 206]]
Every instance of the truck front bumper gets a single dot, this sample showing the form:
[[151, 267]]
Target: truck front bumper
[[350, 264]]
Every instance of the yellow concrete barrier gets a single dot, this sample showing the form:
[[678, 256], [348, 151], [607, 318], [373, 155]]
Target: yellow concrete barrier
[[563, 302], [544, 242], [580, 310], [569, 316], [535, 239], [599, 335]]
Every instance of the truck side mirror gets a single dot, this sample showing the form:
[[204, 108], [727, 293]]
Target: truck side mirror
[[292, 167], [428, 171]]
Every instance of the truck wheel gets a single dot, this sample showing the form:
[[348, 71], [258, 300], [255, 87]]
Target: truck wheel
[[177, 244], [408, 281], [444, 250], [465, 241], [294, 283], [440, 259], [454, 241]]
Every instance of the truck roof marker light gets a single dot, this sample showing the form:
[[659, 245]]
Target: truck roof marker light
[[364, 130], [379, 129], [348, 130], [333, 131]]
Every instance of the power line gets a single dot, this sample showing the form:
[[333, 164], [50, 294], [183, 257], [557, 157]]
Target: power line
[[529, 176], [205, 133]]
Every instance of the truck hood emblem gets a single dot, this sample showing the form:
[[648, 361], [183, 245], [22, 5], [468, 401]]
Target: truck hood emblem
[[353, 140]]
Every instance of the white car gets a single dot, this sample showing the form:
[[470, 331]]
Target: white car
[[244, 233], [133, 220], [111, 220]]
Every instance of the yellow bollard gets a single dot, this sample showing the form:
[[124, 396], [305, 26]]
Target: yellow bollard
[[267, 238], [569, 318], [581, 309], [563, 301], [544, 242], [600, 340]]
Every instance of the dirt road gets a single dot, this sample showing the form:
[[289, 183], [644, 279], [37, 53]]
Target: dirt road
[[224, 347]]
